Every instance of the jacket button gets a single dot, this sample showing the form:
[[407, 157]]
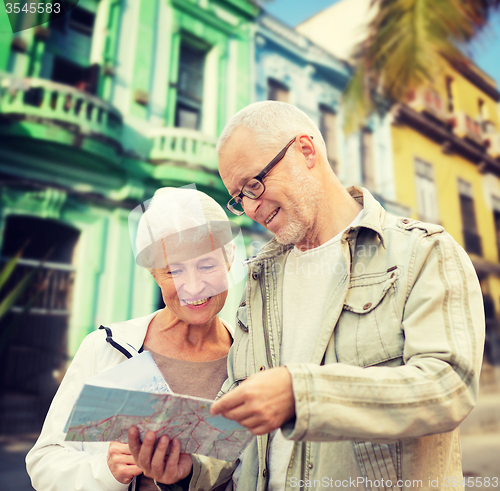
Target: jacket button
[[243, 304], [255, 275], [366, 306], [405, 220], [264, 473], [262, 368], [310, 465]]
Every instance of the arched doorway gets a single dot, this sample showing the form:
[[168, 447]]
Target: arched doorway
[[34, 332]]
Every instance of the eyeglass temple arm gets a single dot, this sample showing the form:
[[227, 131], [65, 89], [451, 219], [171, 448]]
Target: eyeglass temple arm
[[276, 159]]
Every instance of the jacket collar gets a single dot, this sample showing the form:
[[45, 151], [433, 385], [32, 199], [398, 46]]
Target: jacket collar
[[373, 213], [131, 334], [373, 217]]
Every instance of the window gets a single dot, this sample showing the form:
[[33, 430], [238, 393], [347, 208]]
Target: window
[[328, 128], [496, 218], [277, 91], [449, 94], [367, 158], [81, 20], [487, 126], [190, 88], [426, 192], [472, 240], [71, 65], [83, 78], [481, 109], [77, 19]]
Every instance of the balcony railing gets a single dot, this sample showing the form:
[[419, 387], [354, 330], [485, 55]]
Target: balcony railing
[[492, 141], [31, 97], [429, 101], [183, 146], [466, 127], [473, 243]]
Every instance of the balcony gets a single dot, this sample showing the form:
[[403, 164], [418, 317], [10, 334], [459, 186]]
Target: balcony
[[41, 101], [466, 127], [427, 100], [183, 146], [462, 134], [492, 141]]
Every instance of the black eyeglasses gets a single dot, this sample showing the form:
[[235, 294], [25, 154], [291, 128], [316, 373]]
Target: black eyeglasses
[[254, 188]]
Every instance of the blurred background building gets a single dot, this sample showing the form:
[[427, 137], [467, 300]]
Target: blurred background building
[[444, 151], [291, 68], [100, 107]]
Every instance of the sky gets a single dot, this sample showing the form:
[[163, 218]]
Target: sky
[[485, 50]]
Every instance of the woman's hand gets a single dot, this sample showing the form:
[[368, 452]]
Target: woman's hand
[[121, 462], [152, 460]]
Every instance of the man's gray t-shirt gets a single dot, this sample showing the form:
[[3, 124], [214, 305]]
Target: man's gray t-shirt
[[310, 278]]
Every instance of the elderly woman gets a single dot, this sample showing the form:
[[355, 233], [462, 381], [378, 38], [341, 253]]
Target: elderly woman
[[183, 240]]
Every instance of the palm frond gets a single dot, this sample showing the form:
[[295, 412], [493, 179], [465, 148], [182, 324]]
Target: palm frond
[[11, 298], [8, 269], [357, 101], [407, 44]]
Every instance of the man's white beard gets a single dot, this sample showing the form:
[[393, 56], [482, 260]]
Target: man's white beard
[[301, 210]]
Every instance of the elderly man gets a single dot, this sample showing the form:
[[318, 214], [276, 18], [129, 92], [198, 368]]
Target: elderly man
[[359, 343]]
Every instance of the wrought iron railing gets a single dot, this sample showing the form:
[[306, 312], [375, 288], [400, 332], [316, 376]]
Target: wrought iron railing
[[49, 293]]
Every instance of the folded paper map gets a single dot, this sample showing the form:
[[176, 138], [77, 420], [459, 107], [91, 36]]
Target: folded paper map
[[137, 373], [104, 413]]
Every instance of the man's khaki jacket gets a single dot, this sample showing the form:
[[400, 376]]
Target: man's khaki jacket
[[395, 368]]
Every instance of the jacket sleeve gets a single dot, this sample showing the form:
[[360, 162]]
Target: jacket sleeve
[[436, 386], [210, 473], [56, 465]]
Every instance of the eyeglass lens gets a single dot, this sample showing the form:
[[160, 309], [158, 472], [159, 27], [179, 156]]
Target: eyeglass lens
[[236, 208], [253, 189]]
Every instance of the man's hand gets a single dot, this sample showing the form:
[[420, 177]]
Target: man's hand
[[121, 462], [262, 403], [152, 461]]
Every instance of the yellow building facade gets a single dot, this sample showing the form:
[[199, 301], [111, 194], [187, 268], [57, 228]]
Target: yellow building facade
[[446, 157]]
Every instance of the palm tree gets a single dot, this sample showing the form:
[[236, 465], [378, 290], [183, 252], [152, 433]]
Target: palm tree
[[407, 42]]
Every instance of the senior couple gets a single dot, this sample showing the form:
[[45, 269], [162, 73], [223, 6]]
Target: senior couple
[[349, 367]]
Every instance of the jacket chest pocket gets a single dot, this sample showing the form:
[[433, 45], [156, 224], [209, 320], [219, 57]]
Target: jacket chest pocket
[[369, 329]]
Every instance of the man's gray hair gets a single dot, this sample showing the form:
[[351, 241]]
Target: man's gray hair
[[274, 124]]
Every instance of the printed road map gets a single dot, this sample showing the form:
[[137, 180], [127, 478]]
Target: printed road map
[[104, 414]]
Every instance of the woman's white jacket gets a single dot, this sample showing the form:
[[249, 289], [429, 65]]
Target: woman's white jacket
[[57, 465]]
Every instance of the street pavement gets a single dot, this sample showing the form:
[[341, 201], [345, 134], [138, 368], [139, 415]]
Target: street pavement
[[480, 437], [13, 473]]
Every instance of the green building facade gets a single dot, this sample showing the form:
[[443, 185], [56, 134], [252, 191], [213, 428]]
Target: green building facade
[[99, 108]]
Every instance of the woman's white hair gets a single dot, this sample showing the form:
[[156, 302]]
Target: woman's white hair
[[274, 124], [172, 211]]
